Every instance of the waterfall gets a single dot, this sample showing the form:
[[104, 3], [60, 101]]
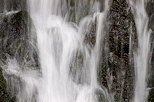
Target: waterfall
[[76, 50], [67, 58], [142, 55]]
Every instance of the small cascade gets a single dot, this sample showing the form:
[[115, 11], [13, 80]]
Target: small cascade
[[142, 55]]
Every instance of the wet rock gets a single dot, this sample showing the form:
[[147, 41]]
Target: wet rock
[[4, 95], [151, 95], [151, 22], [150, 12], [90, 37], [150, 7], [10, 36], [78, 9], [15, 43], [13, 33], [119, 72]]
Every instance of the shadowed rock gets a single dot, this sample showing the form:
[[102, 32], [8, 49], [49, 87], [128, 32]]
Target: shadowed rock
[[15, 43], [119, 71]]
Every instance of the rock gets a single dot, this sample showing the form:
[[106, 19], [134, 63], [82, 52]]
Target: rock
[[13, 33], [119, 72], [15, 44], [4, 95], [151, 95], [150, 7], [151, 22]]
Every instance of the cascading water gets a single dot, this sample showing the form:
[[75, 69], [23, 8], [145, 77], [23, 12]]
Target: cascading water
[[68, 64], [142, 56], [58, 58]]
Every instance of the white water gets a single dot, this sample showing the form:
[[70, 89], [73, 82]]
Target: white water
[[68, 64], [141, 57], [60, 43]]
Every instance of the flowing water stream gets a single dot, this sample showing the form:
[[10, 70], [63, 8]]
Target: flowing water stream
[[142, 55], [58, 43]]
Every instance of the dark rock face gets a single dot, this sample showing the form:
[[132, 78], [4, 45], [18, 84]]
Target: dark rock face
[[151, 95], [4, 95], [119, 72], [121, 20], [15, 38], [118, 69], [150, 12], [13, 30], [15, 43]]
